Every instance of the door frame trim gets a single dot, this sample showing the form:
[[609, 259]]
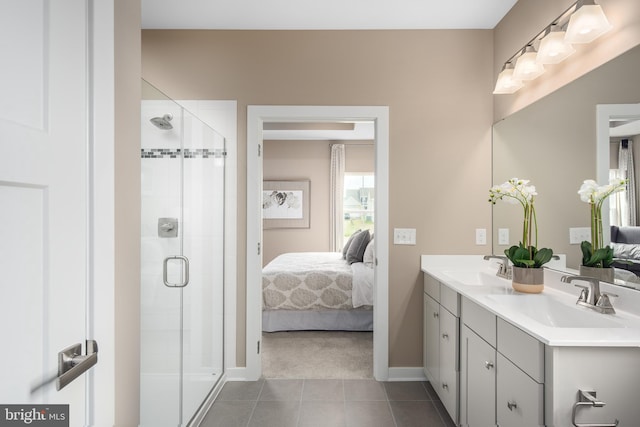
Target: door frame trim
[[257, 115]]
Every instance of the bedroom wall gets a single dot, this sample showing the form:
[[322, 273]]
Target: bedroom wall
[[307, 160], [437, 84]]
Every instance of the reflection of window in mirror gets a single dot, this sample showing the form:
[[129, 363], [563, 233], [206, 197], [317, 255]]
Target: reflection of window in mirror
[[623, 209]]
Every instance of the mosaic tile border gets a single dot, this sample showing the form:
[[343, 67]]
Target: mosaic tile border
[[174, 153]]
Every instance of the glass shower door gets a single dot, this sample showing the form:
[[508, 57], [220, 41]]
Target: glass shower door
[[182, 261], [203, 244]]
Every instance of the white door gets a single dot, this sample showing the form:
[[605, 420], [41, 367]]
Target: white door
[[43, 201]]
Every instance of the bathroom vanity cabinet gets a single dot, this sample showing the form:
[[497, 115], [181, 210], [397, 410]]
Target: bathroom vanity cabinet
[[490, 368], [441, 342]]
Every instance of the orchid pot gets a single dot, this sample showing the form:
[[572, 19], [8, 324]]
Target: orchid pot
[[528, 280]]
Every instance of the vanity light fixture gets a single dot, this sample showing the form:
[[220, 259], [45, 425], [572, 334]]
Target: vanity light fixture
[[506, 82], [584, 21], [553, 47], [587, 23], [527, 66]]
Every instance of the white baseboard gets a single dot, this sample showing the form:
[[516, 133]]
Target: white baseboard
[[236, 374], [406, 374]]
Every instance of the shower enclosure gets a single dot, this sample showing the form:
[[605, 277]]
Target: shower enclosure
[[182, 163]]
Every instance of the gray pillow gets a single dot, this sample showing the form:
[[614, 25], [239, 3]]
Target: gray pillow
[[346, 246], [357, 247]]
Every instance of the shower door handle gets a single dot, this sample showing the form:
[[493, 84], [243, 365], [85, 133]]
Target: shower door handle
[[185, 276]]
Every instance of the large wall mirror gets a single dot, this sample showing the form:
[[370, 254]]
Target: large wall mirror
[[554, 143]]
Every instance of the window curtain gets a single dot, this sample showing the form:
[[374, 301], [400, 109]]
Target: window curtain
[[625, 164], [336, 197]]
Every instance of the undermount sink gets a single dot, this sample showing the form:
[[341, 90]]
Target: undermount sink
[[549, 311], [476, 278]]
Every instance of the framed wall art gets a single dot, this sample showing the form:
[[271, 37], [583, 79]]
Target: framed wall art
[[285, 204]]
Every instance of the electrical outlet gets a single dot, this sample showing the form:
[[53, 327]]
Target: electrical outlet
[[503, 236], [481, 236], [579, 234], [404, 236]]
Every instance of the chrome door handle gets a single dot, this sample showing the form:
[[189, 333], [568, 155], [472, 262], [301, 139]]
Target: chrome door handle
[[72, 363], [185, 277]]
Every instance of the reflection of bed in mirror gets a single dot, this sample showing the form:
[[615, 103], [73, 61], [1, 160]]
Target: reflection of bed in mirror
[[317, 291], [555, 143]]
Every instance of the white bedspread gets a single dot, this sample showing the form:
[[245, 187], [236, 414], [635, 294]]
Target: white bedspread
[[315, 280]]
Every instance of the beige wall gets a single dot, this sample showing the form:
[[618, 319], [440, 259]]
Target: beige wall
[[127, 212], [437, 84], [307, 160], [528, 17]]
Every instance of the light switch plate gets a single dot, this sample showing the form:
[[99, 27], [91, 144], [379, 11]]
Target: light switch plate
[[481, 236], [404, 236], [503, 236], [579, 234]]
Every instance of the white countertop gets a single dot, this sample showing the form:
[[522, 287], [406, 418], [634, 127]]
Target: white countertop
[[621, 329]]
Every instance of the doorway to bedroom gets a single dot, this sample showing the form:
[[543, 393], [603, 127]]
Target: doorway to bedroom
[[336, 340], [317, 314]]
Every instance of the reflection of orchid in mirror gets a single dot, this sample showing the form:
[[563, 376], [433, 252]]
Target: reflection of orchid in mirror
[[593, 253], [521, 191]]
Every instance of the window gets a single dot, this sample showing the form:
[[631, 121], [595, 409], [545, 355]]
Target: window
[[358, 202]]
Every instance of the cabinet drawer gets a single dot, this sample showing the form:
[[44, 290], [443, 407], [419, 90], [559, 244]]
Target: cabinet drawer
[[519, 400], [448, 341], [432, 287], [450, 300], [522, 349], [481, 321], [448, 393]]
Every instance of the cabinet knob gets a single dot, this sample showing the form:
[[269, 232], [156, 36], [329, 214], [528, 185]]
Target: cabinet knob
[[445, 336], [512, 405], [488, 364], [445, 386], [435, 315]]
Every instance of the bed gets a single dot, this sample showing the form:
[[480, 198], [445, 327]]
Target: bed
[[625, 242], [317, 291]]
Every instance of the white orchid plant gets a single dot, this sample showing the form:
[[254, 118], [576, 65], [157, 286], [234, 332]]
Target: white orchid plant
[[526, 254], [594, 254]]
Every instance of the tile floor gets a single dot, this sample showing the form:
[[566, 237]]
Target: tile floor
[[327, 403]]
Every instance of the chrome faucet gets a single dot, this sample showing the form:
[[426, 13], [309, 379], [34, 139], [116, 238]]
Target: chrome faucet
[[590, 296], [504, 270]]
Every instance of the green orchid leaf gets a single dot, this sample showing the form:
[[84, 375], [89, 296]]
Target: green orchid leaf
[[602, 257], [543, 256]]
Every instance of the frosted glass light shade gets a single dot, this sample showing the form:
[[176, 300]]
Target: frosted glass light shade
[[553, 48], [587, 24], [527, 68], [506, 84]]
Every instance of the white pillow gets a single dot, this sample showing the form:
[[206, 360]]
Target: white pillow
[[369, 257]]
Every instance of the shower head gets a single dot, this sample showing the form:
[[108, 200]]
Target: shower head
[[163, 122]]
